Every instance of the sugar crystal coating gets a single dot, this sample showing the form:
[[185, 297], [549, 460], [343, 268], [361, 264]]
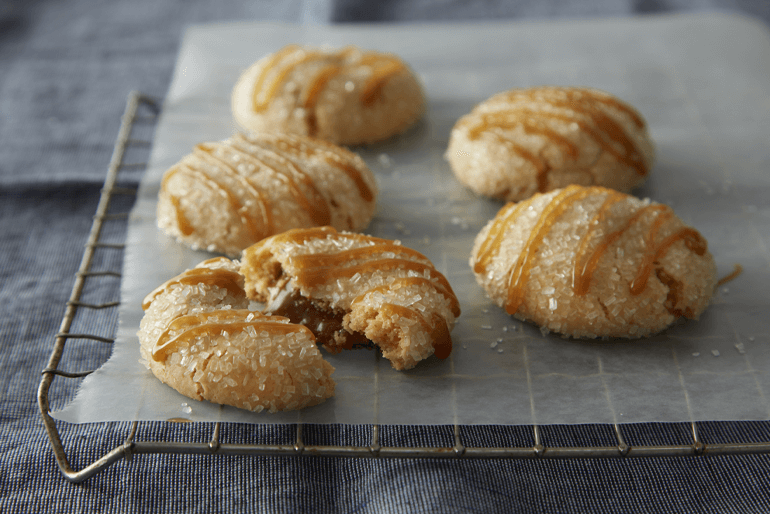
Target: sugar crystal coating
[[391, 294], [198, 336], [592, 262], [227, 195], [347, 96], [524, 141]]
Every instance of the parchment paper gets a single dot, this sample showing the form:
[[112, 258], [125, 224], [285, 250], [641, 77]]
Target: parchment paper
[[703, 84]]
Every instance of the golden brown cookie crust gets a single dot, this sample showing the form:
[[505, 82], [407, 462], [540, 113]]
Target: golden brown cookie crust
[[198, 336], [524, 141], [347, 96], [227, 195], [592, 262], [391, 294]]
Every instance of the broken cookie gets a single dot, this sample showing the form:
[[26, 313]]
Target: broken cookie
[[352, 289], [198, 336]]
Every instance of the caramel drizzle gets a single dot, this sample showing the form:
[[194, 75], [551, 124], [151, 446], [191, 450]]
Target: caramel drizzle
[[313, 203], [520, 271], [336, 260], [602, 128], [438, 330], [302, 235], [213, 184], [181, 220], [585, 265], [214, 322], [225, 279], [692, 239], [383, 67], [574, 95], [737, 270], [333, 155], [454, 304], [261, 105], [311, 277], [491, 244], [314, 269], [504, 121], [262, 203], [581, 275]]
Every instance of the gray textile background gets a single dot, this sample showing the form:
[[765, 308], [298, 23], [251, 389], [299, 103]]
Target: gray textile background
[[66, 68]]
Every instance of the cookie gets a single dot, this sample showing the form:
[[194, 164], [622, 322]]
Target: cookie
[[350, 289], [227, 195], [593, 262], [524, 141], [198, 336], [347, 96]]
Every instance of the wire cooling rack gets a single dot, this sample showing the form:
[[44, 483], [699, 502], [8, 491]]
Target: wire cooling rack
[[142, 110]]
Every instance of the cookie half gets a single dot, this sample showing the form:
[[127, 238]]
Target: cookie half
[[348, 96], [227, 195], [524, 141], [198, 336], [351, 288], [592, 262]]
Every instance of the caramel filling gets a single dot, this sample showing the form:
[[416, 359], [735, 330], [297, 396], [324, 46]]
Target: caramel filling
[[325, 323]]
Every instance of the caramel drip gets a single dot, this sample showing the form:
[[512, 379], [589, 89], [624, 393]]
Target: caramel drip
[[618, 106], [737, 270], [259, 83], [339, 259], [675, 293], [438, 330], [312, 202], [281, 74], [193, 326], [302, 235], [232, 200], [313, 269], [334, 156], [581, 275], [225, 279], [692, 239], [214, 261], [520, 271], [311, 277], [491, 244], [541, 93], [602, 128], [310, 96], [409, 282], [508, 120], [384, 69], [585, 265], [504, 120], [262, 203], [181, 220]]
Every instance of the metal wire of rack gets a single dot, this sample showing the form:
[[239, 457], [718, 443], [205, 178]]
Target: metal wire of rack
[[131, 446]]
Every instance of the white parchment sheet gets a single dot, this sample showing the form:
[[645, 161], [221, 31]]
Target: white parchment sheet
[[703, 84]]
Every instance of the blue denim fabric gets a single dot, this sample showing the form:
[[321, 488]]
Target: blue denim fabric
[[65, 71]]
